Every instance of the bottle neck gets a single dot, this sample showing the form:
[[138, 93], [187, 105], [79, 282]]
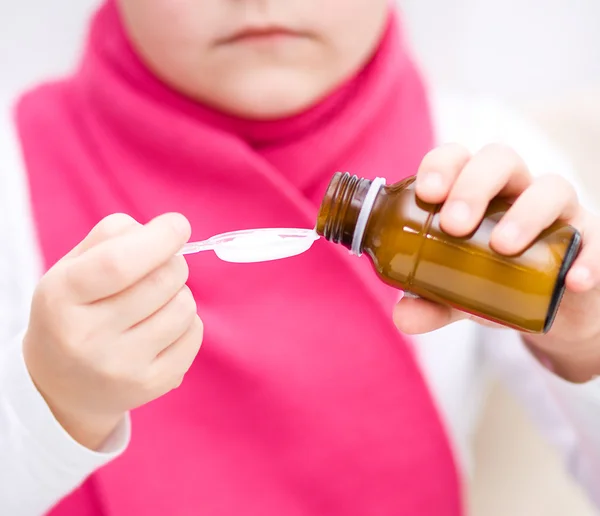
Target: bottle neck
[[346, 208]]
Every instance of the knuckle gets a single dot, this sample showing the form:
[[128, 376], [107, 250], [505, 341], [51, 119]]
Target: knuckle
[[47, 295], [73, 284], [498, 148], [113, 224], [160, 382], [170, 277], [193, 340], [59, 319], [162, 279], [505, 153], [149, 383], [167, 383], [182, 269], [190, 345], [185, 304], [61, 283], [439, 158], [559, 191], [112, 266], [199, 326], [564, 186], [177, 381], [456, 149], [553, 179]]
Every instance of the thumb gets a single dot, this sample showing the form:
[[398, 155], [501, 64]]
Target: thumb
[[414, 316], [108, 228]]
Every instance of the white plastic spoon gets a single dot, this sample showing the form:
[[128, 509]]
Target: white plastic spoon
[[256, 245]]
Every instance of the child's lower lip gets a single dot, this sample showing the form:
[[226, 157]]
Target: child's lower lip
[[267, 36]]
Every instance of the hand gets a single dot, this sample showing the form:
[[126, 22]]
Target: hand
[[466, 184], [113, 325]]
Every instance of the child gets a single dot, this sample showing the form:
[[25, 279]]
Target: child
[[304, 399]]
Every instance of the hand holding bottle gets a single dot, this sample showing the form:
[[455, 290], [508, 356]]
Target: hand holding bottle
[[466, 184], [113, 324]]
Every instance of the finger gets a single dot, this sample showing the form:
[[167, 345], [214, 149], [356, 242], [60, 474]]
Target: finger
[[114, 265], [174, 362], [548, 199], [164, 327], [143, 299], [438, 171], [109, 227], [495, 170], [584, 275], [414, 316]]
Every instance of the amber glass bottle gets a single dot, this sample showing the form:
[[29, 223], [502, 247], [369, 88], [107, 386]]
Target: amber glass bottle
[[402, 236]]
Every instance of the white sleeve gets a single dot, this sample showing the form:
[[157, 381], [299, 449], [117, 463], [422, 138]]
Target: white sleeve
[[567, 414], [39, 462]]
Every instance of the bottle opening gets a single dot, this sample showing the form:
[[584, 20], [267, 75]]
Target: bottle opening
[[346, 208]]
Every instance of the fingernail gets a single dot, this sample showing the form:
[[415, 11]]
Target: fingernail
[[432, 181], [410, 295], [510, 233], [458, 211], [582, 276]]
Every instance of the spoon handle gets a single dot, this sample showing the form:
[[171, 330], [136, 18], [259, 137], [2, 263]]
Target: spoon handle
[[196, 247]]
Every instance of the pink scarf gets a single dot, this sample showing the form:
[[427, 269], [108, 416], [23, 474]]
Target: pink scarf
[[304, 399]]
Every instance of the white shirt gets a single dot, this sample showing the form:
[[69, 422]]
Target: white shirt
[[40, 463]]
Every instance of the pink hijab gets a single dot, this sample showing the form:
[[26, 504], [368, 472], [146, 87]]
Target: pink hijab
[[304, 398]]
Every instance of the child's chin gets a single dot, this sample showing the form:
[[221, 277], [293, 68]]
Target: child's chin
[[279, 97]]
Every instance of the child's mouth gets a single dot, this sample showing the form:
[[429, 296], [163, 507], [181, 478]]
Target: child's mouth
[[261, 34]]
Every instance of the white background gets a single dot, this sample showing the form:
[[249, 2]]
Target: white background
[[523, 49], [520, 49]]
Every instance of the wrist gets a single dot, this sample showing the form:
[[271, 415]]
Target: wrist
[[89, 430], [578, 365]]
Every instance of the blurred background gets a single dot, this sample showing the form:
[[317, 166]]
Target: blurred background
[[542, 56], [524, 51]]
